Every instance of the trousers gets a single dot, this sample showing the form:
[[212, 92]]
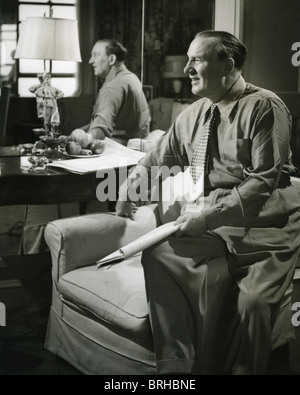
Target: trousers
[[214, 300]]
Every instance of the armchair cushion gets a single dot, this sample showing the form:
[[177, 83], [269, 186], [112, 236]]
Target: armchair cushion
[[115, 295]]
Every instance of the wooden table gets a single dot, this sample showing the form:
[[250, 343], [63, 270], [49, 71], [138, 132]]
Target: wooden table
[[50, 186]]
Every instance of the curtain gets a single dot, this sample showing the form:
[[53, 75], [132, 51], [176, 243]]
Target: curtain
[[122, 20], [86, 26], [170, 25]]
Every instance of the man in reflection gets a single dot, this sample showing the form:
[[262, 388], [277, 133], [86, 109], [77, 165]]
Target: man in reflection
[[121, 110]]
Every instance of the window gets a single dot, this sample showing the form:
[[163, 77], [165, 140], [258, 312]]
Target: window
[[64, 74], [8, 41]]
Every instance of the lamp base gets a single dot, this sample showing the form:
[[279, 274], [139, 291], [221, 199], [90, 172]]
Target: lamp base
[[177, 85], [55, 146]]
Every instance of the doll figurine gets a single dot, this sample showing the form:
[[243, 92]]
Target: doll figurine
[[47, 96]]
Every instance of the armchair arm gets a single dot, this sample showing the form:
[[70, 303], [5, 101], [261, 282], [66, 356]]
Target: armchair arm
[[296, 182], [81, 241]]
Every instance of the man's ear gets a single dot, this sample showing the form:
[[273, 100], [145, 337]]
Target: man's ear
[[112, 59], [229, 66]]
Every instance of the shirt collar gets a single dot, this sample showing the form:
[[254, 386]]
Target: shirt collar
[[227, 104], [114, 71]]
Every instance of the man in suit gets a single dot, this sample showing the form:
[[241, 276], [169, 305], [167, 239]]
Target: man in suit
[[246, 211]]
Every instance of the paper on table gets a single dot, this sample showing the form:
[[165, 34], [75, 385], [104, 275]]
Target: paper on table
[[140, 244], [115, 155]]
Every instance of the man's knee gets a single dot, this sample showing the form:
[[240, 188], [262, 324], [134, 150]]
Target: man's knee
[[201, 249]]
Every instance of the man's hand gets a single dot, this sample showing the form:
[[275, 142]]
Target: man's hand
[[126, 209], [193, 224]]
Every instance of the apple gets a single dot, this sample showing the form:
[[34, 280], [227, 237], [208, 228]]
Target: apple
[[40, 145], [97, 146], [81, 137], [85, 140], [77, 134], [73, 148]]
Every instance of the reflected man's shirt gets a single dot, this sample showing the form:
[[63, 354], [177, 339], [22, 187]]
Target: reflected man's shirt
[[121, 105]]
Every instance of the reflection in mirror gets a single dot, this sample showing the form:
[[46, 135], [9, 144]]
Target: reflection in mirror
[[167, 29]]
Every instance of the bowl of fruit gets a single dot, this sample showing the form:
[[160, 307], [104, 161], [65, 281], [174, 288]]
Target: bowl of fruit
[[83, 145], [54, 142]]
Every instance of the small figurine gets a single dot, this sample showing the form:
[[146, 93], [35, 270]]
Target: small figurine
[[39, 98], [47, 96]]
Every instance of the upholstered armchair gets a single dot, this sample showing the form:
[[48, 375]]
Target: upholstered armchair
[[99, 319]]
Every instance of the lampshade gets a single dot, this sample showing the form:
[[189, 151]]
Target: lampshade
[[48, 39], [174, 65]]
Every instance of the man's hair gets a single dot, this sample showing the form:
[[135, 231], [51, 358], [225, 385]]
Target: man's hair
[[114, 47], [228, 46]]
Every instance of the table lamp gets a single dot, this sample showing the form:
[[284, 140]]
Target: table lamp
[[173, 68], [48, 39]]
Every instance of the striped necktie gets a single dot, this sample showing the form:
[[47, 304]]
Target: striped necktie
[[199, 157]]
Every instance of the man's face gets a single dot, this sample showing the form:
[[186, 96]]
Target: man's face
[[100, 61], [204, 68]]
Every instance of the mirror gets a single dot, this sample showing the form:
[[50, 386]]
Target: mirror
[[167, 29]]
